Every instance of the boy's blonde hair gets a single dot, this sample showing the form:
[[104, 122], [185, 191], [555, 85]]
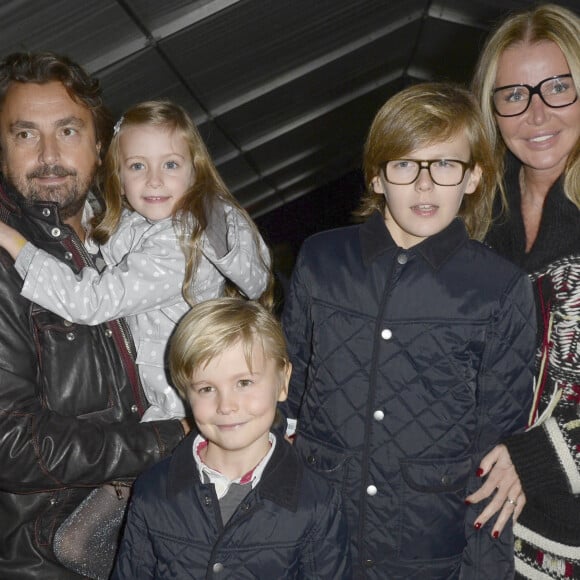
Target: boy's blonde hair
[[547, 22], [192, 211], [213, 326], [420, 116]]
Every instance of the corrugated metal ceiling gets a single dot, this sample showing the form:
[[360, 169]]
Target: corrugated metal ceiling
[[283, 90]]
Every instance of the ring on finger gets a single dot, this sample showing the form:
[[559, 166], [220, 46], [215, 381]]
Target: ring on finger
[[512, 502]]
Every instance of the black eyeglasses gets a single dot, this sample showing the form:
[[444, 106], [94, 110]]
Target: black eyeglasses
[[442, 171], [513, 100]]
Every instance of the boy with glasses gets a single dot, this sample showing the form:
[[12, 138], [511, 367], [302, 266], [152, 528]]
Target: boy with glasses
[[412, 345]]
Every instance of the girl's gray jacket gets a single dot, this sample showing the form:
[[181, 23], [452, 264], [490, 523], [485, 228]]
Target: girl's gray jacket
[[143, 282], [409, 365]]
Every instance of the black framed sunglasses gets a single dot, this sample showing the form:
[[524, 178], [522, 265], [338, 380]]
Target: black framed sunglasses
[[445, 172], [513, 100]]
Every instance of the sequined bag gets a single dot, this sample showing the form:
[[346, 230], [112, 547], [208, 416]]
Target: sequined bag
[[87, 541]]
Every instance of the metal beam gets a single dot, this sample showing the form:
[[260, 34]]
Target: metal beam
[[314, 65], [314, 114], [130, 48]]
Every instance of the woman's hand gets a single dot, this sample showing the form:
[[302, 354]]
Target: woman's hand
[[504, 485]]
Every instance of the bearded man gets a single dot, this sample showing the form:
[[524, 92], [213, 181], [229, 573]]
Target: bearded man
[[70, 397]]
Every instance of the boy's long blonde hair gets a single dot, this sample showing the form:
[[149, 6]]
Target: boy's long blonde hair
[[213, 326], [192, 211], [420, 116], [547, 22]]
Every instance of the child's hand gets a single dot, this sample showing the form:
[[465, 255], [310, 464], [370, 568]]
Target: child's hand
[[11, 240], [504, 484]]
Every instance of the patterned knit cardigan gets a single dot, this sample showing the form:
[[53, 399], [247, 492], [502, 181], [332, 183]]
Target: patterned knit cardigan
[[547, 455]]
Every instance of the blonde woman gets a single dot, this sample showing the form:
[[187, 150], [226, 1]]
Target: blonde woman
[[527, 82]]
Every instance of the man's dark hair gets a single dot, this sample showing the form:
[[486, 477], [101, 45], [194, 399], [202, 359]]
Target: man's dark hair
[[46, 67]]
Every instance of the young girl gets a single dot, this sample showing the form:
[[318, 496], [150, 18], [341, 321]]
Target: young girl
[[412, 345], [171, 236]]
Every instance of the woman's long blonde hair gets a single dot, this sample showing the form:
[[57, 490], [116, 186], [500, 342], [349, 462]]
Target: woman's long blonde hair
[[192, 211], [547, 22]]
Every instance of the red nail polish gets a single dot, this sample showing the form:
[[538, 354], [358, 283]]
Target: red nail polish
[[479, 472], [467, 502], [495, 535], [477, 525]]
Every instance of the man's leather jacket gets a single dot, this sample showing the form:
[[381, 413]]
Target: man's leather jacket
[[70, 404]]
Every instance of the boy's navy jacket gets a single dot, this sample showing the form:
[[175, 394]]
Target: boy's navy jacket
[[408, 366], [290, 526]]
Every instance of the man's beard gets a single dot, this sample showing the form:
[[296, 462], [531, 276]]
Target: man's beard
[[70, 196]]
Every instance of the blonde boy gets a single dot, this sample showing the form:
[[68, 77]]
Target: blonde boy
[[234, 500]]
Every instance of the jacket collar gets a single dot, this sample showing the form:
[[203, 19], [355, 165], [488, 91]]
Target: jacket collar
[[435, 250], [280, 481]]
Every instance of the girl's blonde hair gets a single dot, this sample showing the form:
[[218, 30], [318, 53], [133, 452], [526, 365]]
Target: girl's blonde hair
[[192, 211], [547, 22], [213, 326], [420, 116]]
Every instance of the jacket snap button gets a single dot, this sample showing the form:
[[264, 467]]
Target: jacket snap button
[[372, 490], [378, 415], [108, 333], [67, 322], [45, 212], [218, 567], [134, 408], [386, 334], [55, 232], [311, 459], [70, 336], [68, 256], [402, 259], [368, 563]]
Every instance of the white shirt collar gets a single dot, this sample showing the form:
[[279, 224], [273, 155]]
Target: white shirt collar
[[221, 482]]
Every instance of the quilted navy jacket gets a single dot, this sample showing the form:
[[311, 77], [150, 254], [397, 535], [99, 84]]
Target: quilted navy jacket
[[290, 526], [409, 365]]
